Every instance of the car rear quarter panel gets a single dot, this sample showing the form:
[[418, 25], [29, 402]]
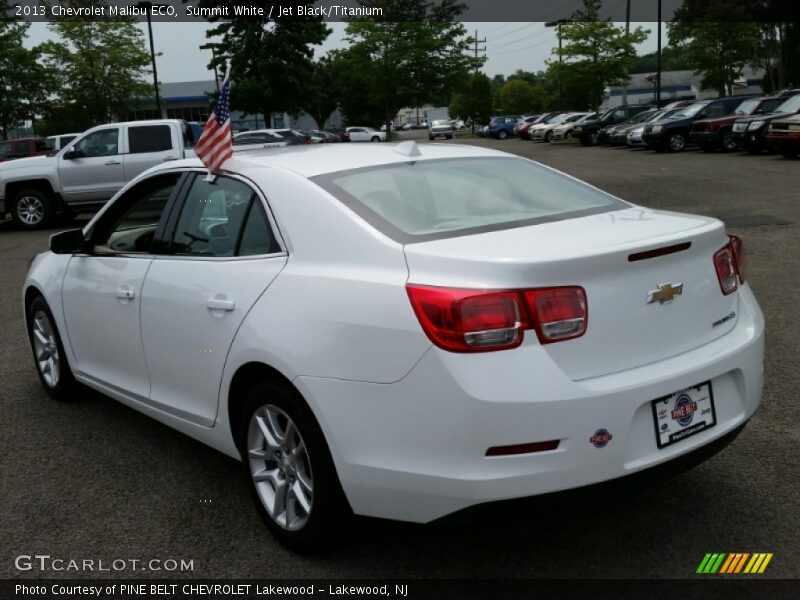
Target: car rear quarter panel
[[339, 308]]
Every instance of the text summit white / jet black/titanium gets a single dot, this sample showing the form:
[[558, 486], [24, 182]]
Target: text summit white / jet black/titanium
[[402, 331]]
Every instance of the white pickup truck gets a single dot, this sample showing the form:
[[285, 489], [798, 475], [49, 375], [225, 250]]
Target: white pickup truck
[[87, 172]]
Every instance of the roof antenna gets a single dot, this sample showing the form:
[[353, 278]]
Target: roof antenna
[[408, 148]]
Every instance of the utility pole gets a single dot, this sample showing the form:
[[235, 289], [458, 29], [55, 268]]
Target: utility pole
[[557, 24], [627, 31], [658, 60], [476, 66]]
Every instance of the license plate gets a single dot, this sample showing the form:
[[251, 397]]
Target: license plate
[[683, 414]]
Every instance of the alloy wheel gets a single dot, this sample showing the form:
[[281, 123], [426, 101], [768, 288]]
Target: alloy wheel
[[30, 210], [280, 467], [677, 142], [45, 345]]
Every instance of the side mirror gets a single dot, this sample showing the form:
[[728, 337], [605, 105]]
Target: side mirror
[[72, 154], [68, 242]]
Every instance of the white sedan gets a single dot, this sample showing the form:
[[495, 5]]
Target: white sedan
[[402, 331], [366, 134]]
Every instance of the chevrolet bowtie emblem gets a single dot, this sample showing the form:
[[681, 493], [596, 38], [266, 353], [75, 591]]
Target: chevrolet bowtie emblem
[[666, 292]]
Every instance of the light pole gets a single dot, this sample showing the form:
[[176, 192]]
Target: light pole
[[147, 7], [658, 59], [557, 24], [211, 46]]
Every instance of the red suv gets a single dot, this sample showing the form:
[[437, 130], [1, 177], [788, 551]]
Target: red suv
[[713, 134]]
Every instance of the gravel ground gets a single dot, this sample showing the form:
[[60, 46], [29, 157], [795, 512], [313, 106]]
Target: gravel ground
[[93, 479]]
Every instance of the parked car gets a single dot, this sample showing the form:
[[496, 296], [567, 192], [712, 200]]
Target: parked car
[[259, 138], [502, 126], [751, 132], [327, 137], [423, 343], [440, 128], [89, 170], [23, 148], [784, 136], [303, 137], [521, 127], [57, 142], [588, 132], [458, 125], [672, 134], [617, 135], [543, 132], [634, 136], [564, 131], [342, 133], [365, 134], [717, 134]]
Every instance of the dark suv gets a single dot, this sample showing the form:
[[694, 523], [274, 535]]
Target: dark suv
[[713, 134], [587, 132], [672, 134], [751, 132]]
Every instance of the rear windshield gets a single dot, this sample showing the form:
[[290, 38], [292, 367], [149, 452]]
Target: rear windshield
[[433, 199]]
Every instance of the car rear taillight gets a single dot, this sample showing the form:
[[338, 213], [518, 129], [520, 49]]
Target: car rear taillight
[[469, 320], [739, 257], [559, 313]]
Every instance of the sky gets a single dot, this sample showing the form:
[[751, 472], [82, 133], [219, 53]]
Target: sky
[[509, 46]]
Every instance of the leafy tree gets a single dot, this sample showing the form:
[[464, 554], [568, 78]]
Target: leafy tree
[[99, 69], [517, 96], [673, 58], [22, 79], [595, 54], [271, 60], [325, 88], [405, 62], [474, 101]]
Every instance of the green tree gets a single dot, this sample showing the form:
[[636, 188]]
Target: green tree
[[595, 55], [23, 81], [99, 69], [672, 59], [474, 102], [405, 62], [517, 96], [718, 41], [325, 88], [271, 60]]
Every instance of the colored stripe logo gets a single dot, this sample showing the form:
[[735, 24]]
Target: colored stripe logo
[[734, 563]]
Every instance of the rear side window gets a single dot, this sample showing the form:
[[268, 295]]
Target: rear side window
[[149, 138], [434, 199], [222, 219], [5, 149]]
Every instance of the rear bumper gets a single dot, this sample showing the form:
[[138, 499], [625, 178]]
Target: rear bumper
[[415, 450], [784, 141]]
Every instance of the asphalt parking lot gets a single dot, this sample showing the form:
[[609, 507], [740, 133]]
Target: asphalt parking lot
[[94, 479]]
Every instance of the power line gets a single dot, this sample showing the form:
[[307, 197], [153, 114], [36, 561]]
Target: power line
[[526, 47], [524, 38]]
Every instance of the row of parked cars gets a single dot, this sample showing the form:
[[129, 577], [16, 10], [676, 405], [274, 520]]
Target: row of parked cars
[[752, 123]]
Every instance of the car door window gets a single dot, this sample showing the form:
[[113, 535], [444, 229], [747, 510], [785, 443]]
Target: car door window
[[5, 149], [99, 143], [149, 138], [130, 224], [219, 219]]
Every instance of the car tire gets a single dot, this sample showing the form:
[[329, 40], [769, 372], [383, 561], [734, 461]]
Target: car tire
[[289, 468], [586, 140], [449, 137], [32, 209], [727, 143], [676, 142], [430, 138], [547, 137], [375, 138], [48, 352], [502, 134]]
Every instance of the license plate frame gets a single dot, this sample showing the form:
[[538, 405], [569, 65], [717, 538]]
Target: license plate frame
[[674, 414]]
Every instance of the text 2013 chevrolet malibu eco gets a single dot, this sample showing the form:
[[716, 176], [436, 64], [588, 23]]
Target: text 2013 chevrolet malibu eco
[[402, 331]]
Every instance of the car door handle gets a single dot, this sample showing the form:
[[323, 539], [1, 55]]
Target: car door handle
[[220, 303], [169, 158], [125, 293], [113, 162]]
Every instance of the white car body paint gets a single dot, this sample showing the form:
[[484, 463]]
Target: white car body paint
[[409, 423]]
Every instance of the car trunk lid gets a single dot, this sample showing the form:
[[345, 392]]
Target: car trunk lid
[[595, 252]]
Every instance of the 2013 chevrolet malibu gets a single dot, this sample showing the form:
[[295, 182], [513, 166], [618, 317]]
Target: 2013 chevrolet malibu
[[402, 331]]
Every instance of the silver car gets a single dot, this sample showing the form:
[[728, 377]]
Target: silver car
[[440, 127]]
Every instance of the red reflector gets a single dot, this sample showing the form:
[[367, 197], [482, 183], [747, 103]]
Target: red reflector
[[522, 448]]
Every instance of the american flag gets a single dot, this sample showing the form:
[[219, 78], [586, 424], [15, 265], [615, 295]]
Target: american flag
[[215, 145]]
